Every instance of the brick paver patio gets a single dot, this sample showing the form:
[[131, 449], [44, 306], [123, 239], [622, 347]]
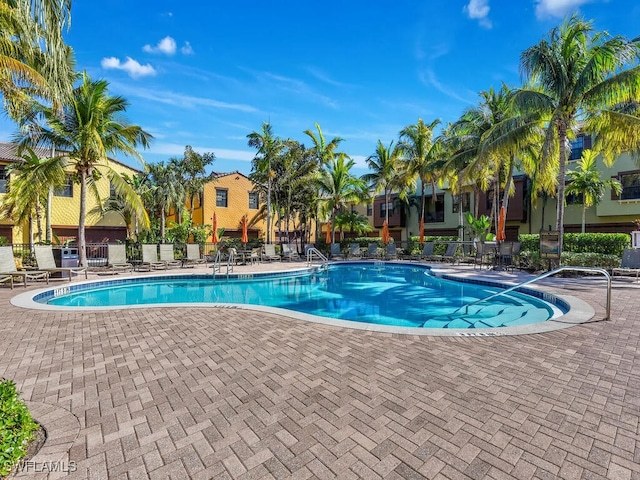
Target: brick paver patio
[[222, 393]]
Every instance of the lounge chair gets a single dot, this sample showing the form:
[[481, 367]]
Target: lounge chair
[[46, 262], [372, 250], [336, 253], [269, 253], [8, 269], [117, 261], [193, 256], [167, 256], [392, 252], [630, 264], [449, 254], [427, 252], [289, 253], [354, 250], [150, 258], [254, 257], [484, 255]]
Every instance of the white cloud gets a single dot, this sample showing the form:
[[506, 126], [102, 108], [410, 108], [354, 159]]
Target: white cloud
[[557, 8], [479, 10], [131, 66], [167, 46], [428, 78], [187, 49]]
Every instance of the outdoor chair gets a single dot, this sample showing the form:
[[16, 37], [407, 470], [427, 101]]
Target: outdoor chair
[[427, 252], [47, 263], [354, 250], [117, 258], [449, 254], [150, 258], [193, 256], [336, 253], [255, 256], [484, 255], [167, 256], [391, 252], [372, 250], [269, 253], [8, 269], [505, 255], [630, 264], [288, 252]]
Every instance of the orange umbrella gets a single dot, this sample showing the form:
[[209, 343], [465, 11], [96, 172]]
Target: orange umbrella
[[245, 230], [215, 238], [500, 235], [327, 238], [385, 232], [422, 230]]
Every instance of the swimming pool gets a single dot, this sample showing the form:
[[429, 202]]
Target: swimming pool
[[398, 295]]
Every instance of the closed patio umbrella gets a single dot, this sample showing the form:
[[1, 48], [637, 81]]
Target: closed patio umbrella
[[215, 238], [422, 230], [327, 238], [500, 235], [385, 232], [245, 230]]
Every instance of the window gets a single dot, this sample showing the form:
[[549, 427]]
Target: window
[[466, 202], [112, 191], [435, 213], [581, 142], [4, 179], [630, 185], [253, 200], [221, 197], [369, 209], [575, 199], [65, 190], [383, 209]]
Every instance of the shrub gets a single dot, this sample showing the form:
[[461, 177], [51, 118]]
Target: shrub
[[602, 243], [16, 427], [590, 259]]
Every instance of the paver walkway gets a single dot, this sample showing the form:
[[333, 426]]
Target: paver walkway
[[221, 393]]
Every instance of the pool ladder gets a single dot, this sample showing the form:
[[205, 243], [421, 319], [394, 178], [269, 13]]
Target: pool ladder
[[218, 262], [311, 252], [545, 275]]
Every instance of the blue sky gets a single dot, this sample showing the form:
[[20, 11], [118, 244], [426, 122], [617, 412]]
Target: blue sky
[[208, 73]]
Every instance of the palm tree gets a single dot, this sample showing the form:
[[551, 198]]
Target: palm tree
[[166, 191], [338, 187], [385, 166], [421, 155], [30, 181], [268, 147], [586, 181], [352, 221], [192, 173], [88, 129], [34, 60], [576, 75]]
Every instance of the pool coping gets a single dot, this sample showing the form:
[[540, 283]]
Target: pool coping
[[579, 311]]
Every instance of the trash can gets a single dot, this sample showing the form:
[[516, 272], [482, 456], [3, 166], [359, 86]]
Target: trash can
[[66, 258]]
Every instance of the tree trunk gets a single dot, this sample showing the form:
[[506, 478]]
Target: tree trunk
[[562, 139], [49, 229], [269, 205], [39, 219], [162, 224], [507, 187], [584, 217], [82, 243]]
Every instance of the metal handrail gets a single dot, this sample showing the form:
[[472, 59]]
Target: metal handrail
[[314, 251], [217, 262], [548, 274]]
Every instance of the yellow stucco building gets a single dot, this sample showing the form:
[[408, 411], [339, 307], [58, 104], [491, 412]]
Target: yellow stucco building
[[65, 208]]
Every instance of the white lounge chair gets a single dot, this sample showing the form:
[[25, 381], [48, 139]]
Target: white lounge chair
[[269, 253], [8, 268], [117, 254], [289, 253], [150, 258], [193, 255], [167, 256], [46, 262]]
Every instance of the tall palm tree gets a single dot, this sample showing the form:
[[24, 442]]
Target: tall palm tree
[[166, 191], [269, 146], [421, 155], [575, 75], [385, 171], [586, 181], [88, 129], [354, 222], [34, 60], [338, 187]]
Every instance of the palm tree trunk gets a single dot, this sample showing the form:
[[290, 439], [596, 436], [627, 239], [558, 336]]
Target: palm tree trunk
[[584, 217], [82, 243], [49, 229], [39, 219], [269, 205], [162, 223], [562, 139], [507, 185]]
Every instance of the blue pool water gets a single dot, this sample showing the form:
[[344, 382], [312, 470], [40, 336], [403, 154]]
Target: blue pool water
[[398, 295]]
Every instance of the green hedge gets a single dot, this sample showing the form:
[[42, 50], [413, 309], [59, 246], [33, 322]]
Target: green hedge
[[16, 427], [601, 243]]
